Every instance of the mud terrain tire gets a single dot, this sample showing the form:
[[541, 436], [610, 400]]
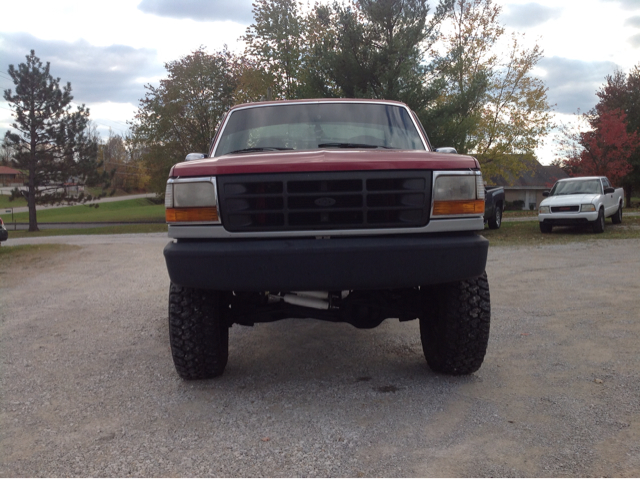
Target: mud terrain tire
[[598, 224], [496, 220], [198, 334], [617, 218], [454, 326], [546, 228]]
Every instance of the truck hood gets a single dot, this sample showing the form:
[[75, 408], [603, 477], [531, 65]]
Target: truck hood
[[563, 200], [322, 160]]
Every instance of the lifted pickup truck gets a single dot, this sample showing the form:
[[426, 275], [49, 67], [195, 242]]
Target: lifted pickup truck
[[337, 210], [581, 201]]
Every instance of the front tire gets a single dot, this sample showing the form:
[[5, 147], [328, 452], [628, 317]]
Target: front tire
[[454, 325], [598, 224], [198, 333], [546, 227], [617, 218], [496, 220]]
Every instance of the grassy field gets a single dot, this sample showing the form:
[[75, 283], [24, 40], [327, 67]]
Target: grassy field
[[524, 213], [527, 233], [98, 230], [138, 210], [5, 203]]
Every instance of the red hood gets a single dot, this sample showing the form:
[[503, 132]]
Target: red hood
[[322, 160]]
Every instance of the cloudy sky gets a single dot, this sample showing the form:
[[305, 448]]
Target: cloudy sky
[[110, 50]]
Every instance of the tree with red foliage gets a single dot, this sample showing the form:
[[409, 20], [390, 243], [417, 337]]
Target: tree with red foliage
[[604, 150], [622, 92]]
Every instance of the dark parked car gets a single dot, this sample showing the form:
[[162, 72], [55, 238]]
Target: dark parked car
[[4, 234], [494, 206]]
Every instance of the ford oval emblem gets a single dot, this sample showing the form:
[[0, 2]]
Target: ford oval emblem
[[325, 202]]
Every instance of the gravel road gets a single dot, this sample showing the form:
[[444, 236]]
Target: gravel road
[[87, 385]]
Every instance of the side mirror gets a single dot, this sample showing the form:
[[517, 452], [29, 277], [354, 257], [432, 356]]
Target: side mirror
[[545, 193], [195, 156], [447, 149], [609, 190]]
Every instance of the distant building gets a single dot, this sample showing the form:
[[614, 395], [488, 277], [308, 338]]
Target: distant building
[[10, 177], [528, 188]]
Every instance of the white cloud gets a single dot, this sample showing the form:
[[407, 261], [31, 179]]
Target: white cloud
[[200, 10], [529, 15], [96, 73], [626, 4], [573, 83]]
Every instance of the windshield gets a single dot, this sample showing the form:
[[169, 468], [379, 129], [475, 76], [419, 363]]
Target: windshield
[[576, 187], [308, 126]]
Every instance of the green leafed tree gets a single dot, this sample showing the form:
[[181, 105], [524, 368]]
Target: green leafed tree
[[275, 40], [118, 155], [50, 141], [380, 49], [490, 104], [180, 115], [367, 49]]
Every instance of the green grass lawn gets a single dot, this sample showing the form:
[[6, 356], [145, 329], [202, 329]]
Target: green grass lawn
[[527, 233], [98, 230], [142, 209], [5, 203]]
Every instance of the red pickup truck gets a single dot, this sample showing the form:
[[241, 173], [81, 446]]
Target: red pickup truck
[[332, 209]]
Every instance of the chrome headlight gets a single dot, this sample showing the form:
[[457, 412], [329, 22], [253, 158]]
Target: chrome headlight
[[191, 200], [544, 210], [588, 207], [458, 194]]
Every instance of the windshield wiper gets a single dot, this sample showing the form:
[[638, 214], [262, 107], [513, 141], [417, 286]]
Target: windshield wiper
[[261, 148], [350, 145]]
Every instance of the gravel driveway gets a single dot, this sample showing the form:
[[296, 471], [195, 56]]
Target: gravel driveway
[[87, 385]]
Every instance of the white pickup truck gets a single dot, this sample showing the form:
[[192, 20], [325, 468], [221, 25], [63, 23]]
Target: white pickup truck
[[581, 201]]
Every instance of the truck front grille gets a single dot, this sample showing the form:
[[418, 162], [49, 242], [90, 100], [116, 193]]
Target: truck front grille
[[325, 201], [565, 209]]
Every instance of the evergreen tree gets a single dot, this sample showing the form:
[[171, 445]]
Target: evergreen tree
[[377, 48], [276, 41], [50, 141]]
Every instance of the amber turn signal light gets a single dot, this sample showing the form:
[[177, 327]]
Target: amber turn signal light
[[459, 207], [183, 215]]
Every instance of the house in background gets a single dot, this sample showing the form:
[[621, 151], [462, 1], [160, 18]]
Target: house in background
[[10, 177], [529, 186]]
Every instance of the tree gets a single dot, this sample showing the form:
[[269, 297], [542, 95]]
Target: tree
[[380, 48], [490, 104], [622, 93], [117, 154], [275, 40], [252, 83], [463, 62], [50, 141], [6, 152], [603, 150], [516, 115], [181, 114], [369, 49]]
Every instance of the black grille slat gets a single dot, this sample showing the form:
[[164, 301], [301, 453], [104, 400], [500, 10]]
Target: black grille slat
[[325, 201]]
